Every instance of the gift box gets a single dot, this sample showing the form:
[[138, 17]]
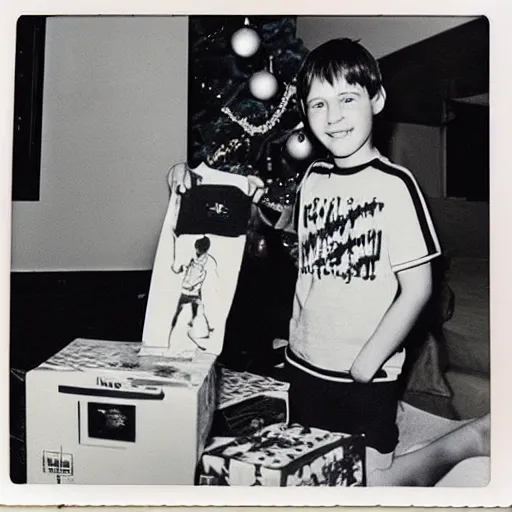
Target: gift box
[[99, 413], [247, 402], [281, 455]]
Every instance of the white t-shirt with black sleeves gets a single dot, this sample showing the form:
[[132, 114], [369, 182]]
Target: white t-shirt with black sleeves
[[357, 227]]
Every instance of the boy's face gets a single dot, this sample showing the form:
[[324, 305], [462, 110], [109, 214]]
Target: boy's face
[[341, 117]]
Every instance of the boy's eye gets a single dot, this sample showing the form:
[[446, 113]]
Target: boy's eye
[[317, 105], [348, 99]]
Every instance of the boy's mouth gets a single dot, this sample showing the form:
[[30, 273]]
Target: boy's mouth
[[340, 134]]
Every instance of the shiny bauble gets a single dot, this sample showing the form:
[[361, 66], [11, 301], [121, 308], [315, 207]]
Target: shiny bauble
[[245, 42], [263, 85], [299, 146]]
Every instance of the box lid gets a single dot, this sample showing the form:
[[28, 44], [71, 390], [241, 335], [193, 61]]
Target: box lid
[[98, 356]]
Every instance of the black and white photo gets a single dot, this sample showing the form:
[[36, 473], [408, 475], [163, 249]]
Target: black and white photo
[[253, 250]]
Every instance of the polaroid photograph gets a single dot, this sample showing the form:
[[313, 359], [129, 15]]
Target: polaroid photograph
[[115, 422], [285, 223]]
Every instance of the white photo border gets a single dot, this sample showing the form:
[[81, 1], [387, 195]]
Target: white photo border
[[496, 493]]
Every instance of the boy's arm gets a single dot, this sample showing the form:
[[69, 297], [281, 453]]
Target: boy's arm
[[416, 288]]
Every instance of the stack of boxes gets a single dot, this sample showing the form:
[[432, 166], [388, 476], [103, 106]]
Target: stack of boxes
[[99, 413], [252, 442]]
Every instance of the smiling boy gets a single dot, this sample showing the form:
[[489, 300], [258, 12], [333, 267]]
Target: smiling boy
[[365, 244]]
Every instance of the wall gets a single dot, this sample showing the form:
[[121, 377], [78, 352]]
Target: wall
[[381, 35], [422, 150], [114, 121]]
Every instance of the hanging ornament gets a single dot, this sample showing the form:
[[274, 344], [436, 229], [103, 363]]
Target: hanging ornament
[[245, 41], [263, 84], [298, 145]]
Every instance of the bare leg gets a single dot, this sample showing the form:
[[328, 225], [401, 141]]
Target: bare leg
[[427, 465]]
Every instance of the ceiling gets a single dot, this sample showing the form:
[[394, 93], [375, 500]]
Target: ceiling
[[381, 35]]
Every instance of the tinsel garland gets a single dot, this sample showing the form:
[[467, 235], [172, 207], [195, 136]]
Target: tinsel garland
[[252, 129]]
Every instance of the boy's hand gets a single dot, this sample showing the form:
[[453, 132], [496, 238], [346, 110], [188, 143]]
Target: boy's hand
[[180, 178], [360, 372], [256, 188]]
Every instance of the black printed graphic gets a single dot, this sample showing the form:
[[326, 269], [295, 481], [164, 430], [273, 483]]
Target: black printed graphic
[[343, 238]]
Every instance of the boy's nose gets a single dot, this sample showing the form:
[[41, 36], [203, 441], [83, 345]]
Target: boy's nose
[[334, 113]]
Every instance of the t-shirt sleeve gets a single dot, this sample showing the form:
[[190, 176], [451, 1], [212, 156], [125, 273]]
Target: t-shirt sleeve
[[412, 237]]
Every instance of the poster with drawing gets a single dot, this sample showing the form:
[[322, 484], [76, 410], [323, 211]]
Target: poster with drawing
[[196, 265]]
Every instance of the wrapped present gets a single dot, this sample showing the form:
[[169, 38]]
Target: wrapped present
[[99, 413], [281, 455], [247, 402]]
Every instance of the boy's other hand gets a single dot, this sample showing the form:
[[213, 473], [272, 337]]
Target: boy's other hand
[[360, 372]]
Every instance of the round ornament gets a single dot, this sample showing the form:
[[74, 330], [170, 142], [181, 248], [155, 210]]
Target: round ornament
[[299, 146], [245, 42], [263, 85]]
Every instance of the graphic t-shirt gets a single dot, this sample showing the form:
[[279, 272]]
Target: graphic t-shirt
[[357, 228]]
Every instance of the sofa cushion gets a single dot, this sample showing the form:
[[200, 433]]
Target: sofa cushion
[[467, 352], [471, 394], [469, 280], [467, 332], [426, 375]]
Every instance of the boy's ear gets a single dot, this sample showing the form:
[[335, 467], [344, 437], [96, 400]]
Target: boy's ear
[[378, 101]]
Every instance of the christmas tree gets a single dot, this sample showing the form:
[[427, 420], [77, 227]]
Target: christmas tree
[[243, 112], [243, 118]]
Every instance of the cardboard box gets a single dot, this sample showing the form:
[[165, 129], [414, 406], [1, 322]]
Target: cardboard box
[[281, 455], [98, 413], [248, 402]]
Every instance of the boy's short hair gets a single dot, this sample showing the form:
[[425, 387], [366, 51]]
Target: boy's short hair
[[337, 58], [202, 244]]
